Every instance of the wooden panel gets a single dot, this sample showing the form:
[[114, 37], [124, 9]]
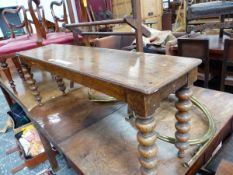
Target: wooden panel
[[110, 146], [156, 19], [121, 8], [135, 71], [151, 8]]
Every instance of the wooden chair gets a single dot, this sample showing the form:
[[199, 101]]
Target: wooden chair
[[9, 47], [12, 26], [44, 38], [56, 18], [219, 8], [227, 75], [40, 15], [196, 48]]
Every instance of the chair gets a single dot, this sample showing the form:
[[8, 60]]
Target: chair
[[44, 38], [211, 9], [9, 47], [40, 15], [227, 75], [57, 19], [196, 48], [11, 26]]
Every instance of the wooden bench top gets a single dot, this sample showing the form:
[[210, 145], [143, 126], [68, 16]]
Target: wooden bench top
[[145, 73], [110, 146]]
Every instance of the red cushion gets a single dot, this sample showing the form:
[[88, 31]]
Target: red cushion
[[58, 38], [18, 38], [21, 45]]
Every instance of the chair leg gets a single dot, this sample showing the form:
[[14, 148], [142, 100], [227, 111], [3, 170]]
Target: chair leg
[[7, 73], [222, 18], [51, 154], [223, 76], [207, 75]]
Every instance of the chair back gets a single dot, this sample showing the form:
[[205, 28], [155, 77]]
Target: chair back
[[11, 26], [196, 48], [38, 21], [228, 61], [57, 19], [41, 17]]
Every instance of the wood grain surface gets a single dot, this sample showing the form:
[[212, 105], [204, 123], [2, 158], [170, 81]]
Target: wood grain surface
[[145, 73]]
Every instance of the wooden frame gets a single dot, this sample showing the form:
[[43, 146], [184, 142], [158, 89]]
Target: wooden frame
[[11, 26], [57, 19], [228, 44], [134, 22], [203, 43]]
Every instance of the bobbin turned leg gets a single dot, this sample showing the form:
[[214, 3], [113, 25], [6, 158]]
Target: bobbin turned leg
[[61, 84], [147, 147], [18, 67], [31, 82], [183, 120], [7, 73]]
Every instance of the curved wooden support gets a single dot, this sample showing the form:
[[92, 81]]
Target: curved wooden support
[[183, 117], [61, 84], [7, 73], [147, 147], [38, 20], [31, 82], [56, 18]]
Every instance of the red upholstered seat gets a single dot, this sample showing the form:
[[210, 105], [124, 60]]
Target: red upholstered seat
[[20, 45], [58, 38], [18, 38]]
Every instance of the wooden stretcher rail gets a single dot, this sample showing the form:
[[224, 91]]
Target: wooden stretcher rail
[[108, 33], [95, 23]]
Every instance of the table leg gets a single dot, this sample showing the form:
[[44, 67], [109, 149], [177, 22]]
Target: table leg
[[7, 73], [50, 153], [18, 67], [31, 82], [147, 147], [183, 117], [60, 83]]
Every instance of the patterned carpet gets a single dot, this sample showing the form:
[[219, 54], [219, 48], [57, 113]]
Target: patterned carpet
[[7, 141]]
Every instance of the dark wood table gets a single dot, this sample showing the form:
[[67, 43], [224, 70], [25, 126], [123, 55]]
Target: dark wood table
[[141, 80]]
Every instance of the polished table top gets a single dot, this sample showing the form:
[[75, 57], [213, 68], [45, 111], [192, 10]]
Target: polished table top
[[145, 73]]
